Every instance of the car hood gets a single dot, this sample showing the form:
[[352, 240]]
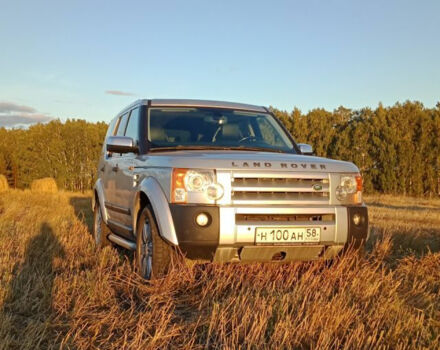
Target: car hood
[[245, 160]]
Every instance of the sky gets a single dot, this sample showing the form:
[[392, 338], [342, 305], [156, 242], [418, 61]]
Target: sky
[[89, 59]]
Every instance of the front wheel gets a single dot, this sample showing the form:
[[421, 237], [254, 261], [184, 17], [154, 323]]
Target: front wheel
[[153, 254]]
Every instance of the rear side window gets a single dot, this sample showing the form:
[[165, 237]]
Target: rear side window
[[122, 125], [133, 126], [110, 132], [111, 128]]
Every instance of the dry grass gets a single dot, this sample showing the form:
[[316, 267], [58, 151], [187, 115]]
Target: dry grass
[[46, 184], [57, 291], [4, 186]]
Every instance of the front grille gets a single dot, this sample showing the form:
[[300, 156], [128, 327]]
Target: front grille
[[279, 188]]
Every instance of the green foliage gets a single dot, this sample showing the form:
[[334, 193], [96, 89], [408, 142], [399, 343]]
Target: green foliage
[[396, 148], [67, 152]]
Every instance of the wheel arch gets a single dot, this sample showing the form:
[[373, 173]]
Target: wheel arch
[[98, 196], [149, 188]]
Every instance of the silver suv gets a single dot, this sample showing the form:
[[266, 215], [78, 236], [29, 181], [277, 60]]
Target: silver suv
[[223, 182]]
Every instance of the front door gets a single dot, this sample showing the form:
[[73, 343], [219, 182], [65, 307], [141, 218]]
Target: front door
[[124, 179], [114, 163]]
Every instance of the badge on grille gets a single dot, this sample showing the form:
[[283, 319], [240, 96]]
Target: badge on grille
[[317, 187]]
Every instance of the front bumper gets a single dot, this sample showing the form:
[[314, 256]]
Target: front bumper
[[227, 238], [196, 242]]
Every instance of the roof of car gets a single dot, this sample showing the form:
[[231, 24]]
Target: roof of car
[[195, 103]]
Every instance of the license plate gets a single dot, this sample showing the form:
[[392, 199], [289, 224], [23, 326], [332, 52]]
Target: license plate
[[287, 235]]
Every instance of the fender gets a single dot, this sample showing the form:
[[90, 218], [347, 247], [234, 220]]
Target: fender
[[100, 192], [152, 189]]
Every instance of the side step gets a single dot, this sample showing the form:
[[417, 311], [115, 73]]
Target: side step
[[122, 242]]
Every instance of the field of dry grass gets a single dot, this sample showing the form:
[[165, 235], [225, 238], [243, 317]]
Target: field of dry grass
[[57, 291]]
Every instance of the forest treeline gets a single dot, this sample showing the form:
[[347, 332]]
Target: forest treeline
[[396, 148], [67, 152]]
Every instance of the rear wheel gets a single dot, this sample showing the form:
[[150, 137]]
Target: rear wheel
[[100, 229], [153, 254]]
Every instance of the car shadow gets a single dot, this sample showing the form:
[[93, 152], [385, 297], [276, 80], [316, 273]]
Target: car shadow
[[82, 207], [28, 300]]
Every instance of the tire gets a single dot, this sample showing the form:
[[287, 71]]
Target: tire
[[100, 229], [153, 254]]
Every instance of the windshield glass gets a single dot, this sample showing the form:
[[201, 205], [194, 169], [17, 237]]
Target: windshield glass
[[217, 128]]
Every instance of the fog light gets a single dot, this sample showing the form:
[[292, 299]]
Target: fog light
[[357, 219], [202, 219]]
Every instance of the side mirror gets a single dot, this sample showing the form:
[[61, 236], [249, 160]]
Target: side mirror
[[306, 149], [121, 144]]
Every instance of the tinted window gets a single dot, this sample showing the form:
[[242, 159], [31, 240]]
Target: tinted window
[[111, 128], [110, 132], [133, 126], [270, 133], [216, 128], [122, 125]]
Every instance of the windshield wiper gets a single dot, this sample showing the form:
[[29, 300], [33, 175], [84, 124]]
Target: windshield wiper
[[195, 147], [176, 148], [257, 149]]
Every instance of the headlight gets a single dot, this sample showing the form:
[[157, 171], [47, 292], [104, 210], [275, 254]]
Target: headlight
[[197, 181], [195, 186], [349, 190]]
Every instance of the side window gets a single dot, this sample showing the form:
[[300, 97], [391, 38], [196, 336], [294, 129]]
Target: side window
[[111, 128], [122, 125], [110, 132], [120, 130], [133, 126]]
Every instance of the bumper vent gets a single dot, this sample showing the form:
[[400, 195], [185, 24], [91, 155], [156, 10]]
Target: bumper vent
[[284, 217]]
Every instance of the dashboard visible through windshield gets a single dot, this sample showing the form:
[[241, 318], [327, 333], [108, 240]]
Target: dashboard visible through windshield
[[215, 128]]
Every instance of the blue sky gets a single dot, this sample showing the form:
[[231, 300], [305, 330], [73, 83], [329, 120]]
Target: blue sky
[[58, 58]]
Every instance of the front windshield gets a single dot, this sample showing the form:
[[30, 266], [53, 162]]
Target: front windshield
[[215, 128]]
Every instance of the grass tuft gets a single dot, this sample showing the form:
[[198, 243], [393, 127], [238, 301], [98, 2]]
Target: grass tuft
[[57, 291]]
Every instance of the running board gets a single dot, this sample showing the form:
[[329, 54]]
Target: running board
[[122, 242]]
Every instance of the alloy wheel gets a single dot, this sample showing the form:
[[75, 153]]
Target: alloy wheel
[[146, 253]]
